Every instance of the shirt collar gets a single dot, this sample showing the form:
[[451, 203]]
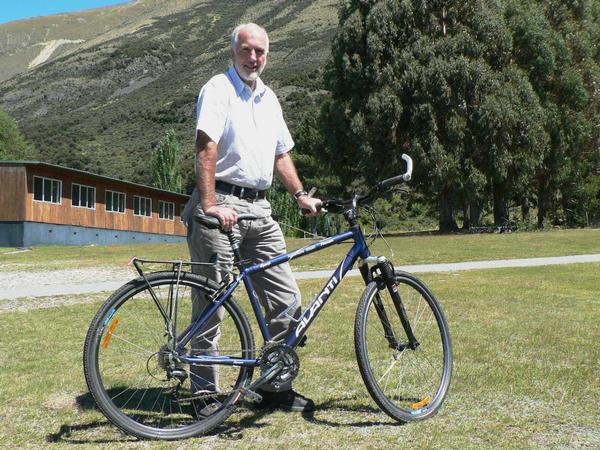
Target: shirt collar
[[239, 85]]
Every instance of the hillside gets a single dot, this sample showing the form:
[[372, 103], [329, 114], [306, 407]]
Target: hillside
[[25, 44], [116, 78]]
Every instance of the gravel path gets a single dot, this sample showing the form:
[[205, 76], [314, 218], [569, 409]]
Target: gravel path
[[21, 290]]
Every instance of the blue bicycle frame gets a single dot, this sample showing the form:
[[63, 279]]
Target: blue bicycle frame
[[358, 250]]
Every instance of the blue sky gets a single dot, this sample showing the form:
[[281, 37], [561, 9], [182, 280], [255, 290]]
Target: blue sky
[[22, 9]]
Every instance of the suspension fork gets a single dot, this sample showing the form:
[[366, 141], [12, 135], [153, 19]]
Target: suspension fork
[[388, 331], [387, 273]]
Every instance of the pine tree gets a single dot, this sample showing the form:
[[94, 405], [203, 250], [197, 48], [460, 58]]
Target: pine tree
[[435, 80], [166, 170], [558, 44], [13, 145]]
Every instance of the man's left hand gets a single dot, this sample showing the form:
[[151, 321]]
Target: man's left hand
[[313, 205]]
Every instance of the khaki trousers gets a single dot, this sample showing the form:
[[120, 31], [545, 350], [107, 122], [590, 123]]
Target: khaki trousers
[[276, 288]]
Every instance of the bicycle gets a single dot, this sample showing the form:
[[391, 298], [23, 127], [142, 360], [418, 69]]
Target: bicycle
[[139, 364]]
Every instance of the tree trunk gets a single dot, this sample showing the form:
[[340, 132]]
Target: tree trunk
[[466, 215], [473, 214], [543, 204], [447, 221], [501, 213], [476, 214], [525, 209]]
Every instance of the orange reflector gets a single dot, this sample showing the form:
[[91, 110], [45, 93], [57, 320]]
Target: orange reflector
[[109, 334], [422, 403]]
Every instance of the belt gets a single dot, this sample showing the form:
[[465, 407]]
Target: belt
[[239, 191]]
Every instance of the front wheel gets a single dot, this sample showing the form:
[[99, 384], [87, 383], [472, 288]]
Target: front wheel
[[408, 384]]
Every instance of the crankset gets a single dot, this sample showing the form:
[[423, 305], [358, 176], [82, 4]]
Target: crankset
[[276, 353]]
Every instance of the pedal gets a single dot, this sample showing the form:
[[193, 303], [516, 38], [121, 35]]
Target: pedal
[[302, 342], [252, 395]]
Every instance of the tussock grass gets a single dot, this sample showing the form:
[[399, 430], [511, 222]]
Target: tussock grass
[[526, 373]]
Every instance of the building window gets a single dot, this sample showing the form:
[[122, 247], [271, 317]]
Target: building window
[[181, 210], [166, 210], [47, 190], [142, 206], [115, 201], [83, 196]]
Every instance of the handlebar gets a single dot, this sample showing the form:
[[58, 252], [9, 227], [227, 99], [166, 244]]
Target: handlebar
[[406, 176], [332, 205], [337, 205]]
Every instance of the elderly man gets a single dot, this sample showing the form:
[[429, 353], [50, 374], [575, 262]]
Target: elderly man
[[241, 140]]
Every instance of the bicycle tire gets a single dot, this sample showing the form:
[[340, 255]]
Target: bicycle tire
[[125, 357], [408, 385]]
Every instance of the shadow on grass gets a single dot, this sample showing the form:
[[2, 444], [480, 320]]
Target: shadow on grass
[[344, 405], [86, 402], [69, 433], [328, 409], [232, 429]]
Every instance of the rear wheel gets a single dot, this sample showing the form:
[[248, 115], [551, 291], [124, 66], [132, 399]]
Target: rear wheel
[[135, 376], [407, 384]]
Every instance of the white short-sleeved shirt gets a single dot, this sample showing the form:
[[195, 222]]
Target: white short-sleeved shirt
[[247, 126]]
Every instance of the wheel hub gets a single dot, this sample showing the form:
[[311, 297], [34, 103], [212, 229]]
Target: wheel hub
[[165, 360]]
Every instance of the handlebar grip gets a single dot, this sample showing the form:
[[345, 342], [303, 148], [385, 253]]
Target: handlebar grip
[[406, 176], [409, 167]]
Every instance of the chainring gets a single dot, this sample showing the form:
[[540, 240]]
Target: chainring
[[271, 354]]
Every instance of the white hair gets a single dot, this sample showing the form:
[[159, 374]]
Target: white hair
[[236, 32]]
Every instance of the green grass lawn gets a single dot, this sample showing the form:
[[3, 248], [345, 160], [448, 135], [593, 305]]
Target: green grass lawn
[[407, 249], [526, 372]]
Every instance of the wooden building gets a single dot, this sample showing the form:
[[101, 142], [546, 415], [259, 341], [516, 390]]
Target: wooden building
[[43, 204]]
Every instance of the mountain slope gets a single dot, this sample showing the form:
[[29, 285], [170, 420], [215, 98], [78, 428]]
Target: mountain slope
[[25, 44], [103, 106]]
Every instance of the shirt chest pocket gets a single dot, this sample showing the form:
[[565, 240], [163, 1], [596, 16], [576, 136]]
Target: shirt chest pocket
[[265, 125]]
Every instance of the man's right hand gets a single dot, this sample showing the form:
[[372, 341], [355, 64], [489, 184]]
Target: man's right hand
[[227, 216]]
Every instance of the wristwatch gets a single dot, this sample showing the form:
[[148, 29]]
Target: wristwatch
[[300, 193]]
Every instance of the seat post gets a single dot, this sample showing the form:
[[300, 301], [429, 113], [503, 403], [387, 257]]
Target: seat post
[[235, 247]]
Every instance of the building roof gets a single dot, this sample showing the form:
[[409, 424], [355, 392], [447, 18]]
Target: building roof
[[87, 174]]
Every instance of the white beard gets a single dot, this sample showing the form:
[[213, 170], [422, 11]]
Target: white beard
[[250, 76]]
